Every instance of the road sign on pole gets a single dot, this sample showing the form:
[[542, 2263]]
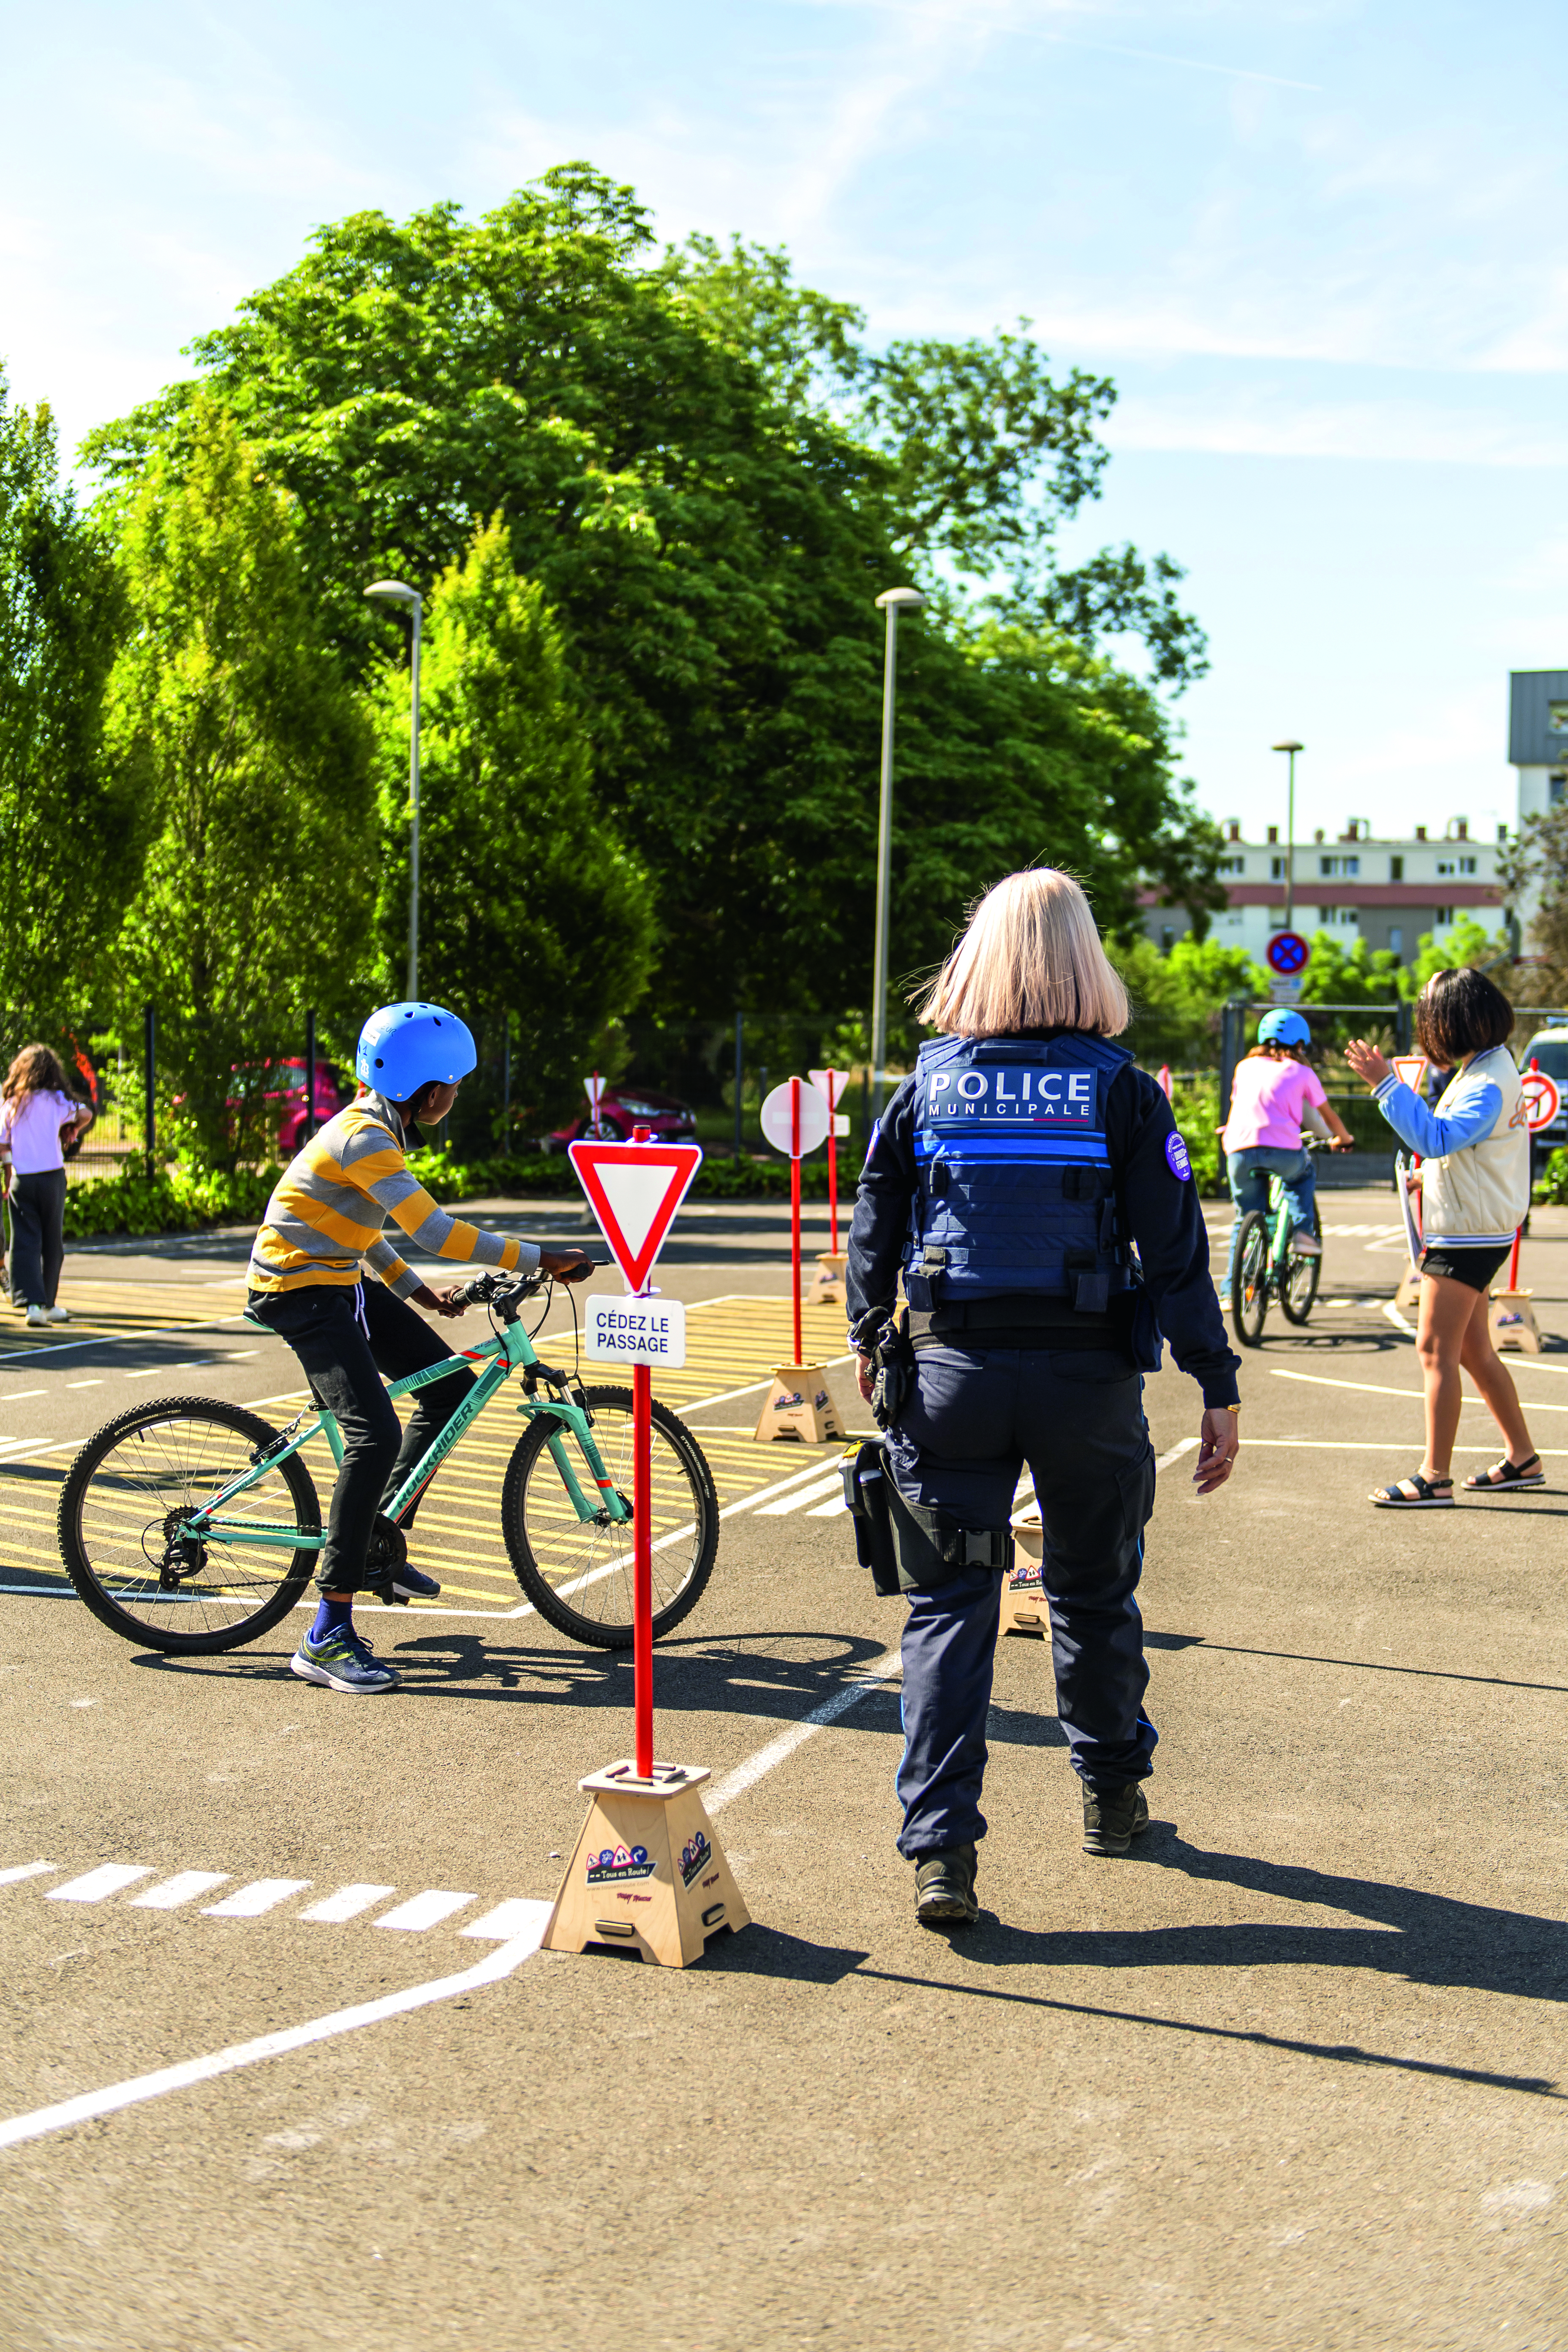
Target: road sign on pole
[[1288, 955], [830, 1086], [1542, 1098], [593, 1087], [796, 1118], [633, 1190]]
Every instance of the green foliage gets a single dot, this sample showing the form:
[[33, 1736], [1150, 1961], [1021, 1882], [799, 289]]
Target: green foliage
[[254, 902], [1195, 1109], [706, 476], [66, 807], [1177, 998], [172, 1200], [1551, 1186], [527, 899], [1468, 942]]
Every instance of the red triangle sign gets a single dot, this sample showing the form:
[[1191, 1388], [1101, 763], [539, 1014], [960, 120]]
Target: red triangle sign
[[633, 1190]]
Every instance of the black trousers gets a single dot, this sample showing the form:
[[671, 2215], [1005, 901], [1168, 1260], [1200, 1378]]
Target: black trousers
[[37, 1237], [343, 1360], [976, 1417]]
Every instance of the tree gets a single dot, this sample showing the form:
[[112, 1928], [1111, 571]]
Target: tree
[[709, 480], [1177, 998], [68, 829], [256, 895], [534, 909]]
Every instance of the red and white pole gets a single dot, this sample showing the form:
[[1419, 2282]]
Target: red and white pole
[[642, 1549], [833, 1183], [794, 1206], [1513, 1260]]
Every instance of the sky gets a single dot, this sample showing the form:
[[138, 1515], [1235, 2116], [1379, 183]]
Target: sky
[[1321, 247]]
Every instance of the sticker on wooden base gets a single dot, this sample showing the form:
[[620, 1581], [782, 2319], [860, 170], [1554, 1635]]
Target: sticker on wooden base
[[648, 1873], [1408, 1294], [828, 1288], [1511, 1321], [799, 1405], [1024, 1608]]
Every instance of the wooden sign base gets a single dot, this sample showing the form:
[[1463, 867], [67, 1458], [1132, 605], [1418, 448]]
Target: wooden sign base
[[1409, 1291], [798, 1405], [647, 1875], [1023, 1605], [828, 1289], [1512, 1323]]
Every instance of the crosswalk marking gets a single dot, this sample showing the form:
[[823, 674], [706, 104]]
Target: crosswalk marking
[[426, 1910], [184, 1887], [812, 1494], [250, 1902], [521, 1915], [346, 1904], [95, 1886]]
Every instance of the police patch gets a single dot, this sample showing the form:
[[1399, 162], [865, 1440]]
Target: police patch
[[1176, 1154]]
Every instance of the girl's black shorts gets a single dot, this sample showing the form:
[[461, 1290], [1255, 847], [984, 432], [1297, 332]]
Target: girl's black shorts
[[1473, 1267]]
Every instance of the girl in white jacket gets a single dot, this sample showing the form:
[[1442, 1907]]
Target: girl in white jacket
[[1475, 1192]]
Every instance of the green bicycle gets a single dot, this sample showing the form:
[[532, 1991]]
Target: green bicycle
[[190, 1526], [1268, 1267]]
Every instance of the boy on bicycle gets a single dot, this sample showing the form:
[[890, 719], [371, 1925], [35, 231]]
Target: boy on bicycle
[[323, 1226], [1273, 1089]]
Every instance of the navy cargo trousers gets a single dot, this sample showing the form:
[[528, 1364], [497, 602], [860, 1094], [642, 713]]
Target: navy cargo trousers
[[1076, 1417]]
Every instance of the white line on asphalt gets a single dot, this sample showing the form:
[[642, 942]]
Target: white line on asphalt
[[115, 1339], [1374, 1387], [250, 1902], [1397, 1319], [184, 1887], [886, 1668], [1186, 1446], [751, 1388], [346, 1904], [830, 1510], [518, 1916], [93, 1886], [17, 1394], [812, 1494], [21, 1870], [90, 2104], [1381, 1446], [426, 1910]]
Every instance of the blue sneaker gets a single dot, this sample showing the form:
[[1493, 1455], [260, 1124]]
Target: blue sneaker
[[409, 1585], [342, 1661]]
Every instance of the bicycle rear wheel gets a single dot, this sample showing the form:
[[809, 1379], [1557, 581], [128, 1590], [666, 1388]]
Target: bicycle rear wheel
[[1299, 1284], [578, 1573], [1249, 1290], [127, 1490]]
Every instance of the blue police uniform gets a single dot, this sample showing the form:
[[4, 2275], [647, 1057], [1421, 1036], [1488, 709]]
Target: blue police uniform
[[1035, 1195]]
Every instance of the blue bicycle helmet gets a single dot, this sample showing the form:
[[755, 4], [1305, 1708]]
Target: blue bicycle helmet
[[1283, 1027], [403, 1048]]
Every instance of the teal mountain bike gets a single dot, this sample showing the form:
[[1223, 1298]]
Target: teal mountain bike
[[1267, 1267], [190, 1526]]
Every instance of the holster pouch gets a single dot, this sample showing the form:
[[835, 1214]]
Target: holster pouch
[[905, 1546], [893, 1362]]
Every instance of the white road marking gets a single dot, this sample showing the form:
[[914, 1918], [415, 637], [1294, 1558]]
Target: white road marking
[[84, 1384], [93, 1886], [886, 1668], [90, 2104], [346, 1904], [835, 1508], [20, 1870], [250, 1902], [751, 1388], [183, 1888], [1397, 1319], [1374, 1446], [426, 1910], [1184, 1445], [1375, 1388], [812, 1494], [17, 1394], [523, 1916]]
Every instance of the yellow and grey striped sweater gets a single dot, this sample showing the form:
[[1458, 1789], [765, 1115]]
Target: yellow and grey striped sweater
[[327, 1213]]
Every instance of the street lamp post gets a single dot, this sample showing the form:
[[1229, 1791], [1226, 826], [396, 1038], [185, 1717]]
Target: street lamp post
[[1292, 748], [893, 601], [396, 592]]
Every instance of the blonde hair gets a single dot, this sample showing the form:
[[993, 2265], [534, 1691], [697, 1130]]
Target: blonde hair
[[1030, 957], [35, 1071]]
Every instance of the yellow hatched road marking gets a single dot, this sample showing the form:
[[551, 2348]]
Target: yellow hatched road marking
[[732, 1344]]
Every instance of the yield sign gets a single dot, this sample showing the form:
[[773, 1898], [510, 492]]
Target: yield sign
[[830, 1085], [633, 1190]]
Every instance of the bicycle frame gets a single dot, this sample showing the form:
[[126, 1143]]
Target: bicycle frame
[[509, 1350]]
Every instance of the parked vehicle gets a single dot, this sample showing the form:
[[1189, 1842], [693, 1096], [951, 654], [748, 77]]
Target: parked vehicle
[[624, 1107], [281, 1086], [1548, 1049]]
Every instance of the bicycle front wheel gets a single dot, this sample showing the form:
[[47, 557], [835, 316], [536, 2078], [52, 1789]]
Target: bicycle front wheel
[[1250, 1291], [578, 1573], [1299, 1283], [122, 1505]]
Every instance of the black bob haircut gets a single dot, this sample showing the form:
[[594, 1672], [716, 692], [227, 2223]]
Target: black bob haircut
[[1460, 1012]]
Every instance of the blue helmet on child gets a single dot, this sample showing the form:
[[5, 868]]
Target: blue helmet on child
[[1283, 1027], [403, 1048]]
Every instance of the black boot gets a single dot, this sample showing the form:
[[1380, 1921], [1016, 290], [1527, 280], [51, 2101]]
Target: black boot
[[944, 1888], [1113, 1818]]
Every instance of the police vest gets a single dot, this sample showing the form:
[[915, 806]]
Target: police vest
[[1015, 1190]]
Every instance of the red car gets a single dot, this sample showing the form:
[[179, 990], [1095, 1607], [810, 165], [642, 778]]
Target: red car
[[627, 1105], [283, 1088]]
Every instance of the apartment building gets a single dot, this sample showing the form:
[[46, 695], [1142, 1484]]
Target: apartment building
[[1388, 892]]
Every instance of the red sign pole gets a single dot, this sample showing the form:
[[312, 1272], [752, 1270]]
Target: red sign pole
[[833, 1187], [794, 1206]]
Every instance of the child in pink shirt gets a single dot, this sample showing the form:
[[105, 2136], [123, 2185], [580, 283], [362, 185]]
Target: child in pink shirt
[[1272, 1091]]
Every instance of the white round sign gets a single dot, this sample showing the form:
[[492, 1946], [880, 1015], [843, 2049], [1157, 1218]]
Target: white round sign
[[1541, 1099], [778, 1117]]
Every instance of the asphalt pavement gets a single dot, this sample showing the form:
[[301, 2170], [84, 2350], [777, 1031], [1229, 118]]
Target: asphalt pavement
[[1290, 2075]]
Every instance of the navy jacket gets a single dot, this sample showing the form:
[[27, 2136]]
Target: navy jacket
[[1157, 1207]]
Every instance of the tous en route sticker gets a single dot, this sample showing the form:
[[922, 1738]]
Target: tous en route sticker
[[695, 1856], [613, 1864]]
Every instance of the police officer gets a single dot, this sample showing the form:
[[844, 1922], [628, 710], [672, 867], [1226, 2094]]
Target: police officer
[[1030, 1183]]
